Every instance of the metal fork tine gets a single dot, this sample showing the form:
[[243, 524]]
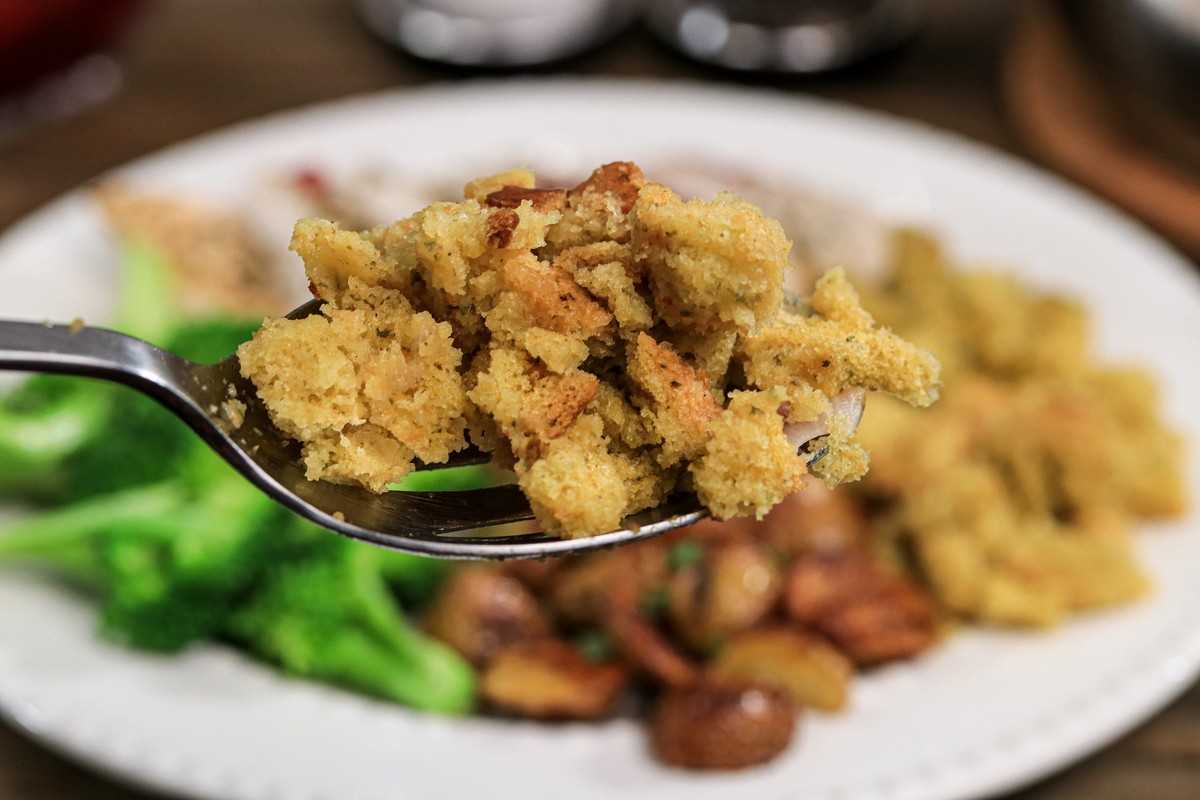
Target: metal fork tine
[[432, 523]]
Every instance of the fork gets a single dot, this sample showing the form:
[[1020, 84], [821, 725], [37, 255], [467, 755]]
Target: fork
[[437, 524]]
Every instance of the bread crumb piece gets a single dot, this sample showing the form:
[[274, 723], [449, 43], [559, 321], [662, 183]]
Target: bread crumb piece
[[234, 412]]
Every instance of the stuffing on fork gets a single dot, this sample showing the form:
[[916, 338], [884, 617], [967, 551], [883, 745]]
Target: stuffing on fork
[[611, 343]]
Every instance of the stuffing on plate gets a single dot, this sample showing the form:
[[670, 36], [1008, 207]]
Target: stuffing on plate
[[1014, 498]]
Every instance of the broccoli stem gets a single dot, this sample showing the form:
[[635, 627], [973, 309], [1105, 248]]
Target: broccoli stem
[[69, 538], [328, 615], [181, 548], [425, 675], [147, 306], [437, 678]]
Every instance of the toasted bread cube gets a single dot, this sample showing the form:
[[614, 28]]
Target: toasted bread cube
[[748, 465], [713, 265], [675, 398]]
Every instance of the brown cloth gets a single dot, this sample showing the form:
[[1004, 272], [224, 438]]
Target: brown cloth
[[1061, 108]]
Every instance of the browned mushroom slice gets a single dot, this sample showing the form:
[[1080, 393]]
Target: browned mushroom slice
[[816, 520], [727, 587], [898, 624], [549, 679], [480, 610], [720, 725], [645, 647], [578, 591], [536, 574], [871, 614], [639, 641]]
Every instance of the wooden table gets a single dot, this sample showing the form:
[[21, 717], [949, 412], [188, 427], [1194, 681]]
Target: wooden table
[[196, 65]]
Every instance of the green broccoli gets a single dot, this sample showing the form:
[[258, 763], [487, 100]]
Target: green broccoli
[[448, 479], [413, 578], [208, 556], [169, 559], [63, 439], [180, 548], [42, 422], [328, 615], [147, 304], [139, 441]]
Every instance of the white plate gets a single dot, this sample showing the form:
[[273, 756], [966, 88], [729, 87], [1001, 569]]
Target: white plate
[[987, 712]]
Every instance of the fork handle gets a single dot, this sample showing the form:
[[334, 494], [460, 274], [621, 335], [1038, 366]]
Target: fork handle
[[89, 352]]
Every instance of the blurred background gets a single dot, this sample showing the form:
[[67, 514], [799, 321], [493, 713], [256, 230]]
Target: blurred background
[[1102, 92]]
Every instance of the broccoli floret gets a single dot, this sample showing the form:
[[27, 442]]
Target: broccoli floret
[[139, 441], [41, 423], [209, 339], [135, 443], [146, 305], [64, 439], [179, 547], [208, 556], [329, 616], [413, 579], [170, 560]]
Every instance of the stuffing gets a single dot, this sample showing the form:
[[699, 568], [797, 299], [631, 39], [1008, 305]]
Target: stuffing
[[610, 343]]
